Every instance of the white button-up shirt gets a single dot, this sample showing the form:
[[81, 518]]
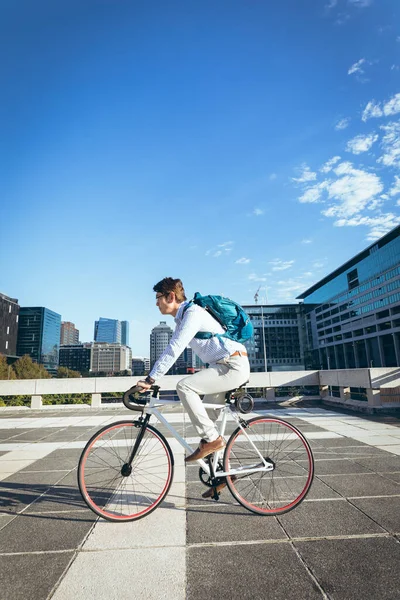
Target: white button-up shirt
[[211, 350]]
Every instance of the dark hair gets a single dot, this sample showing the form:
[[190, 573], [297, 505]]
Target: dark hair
[[168, 285]]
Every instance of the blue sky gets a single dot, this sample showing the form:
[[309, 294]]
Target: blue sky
[[232, 143]]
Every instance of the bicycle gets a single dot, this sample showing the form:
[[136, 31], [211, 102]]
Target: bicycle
[[126, 468]]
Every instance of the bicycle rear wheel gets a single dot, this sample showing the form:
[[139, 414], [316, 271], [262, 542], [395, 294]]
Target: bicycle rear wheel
[[282, 445], [114, 492]]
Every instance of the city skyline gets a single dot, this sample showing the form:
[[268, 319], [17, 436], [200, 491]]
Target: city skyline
[[237, 148]]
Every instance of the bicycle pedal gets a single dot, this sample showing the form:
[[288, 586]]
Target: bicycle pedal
[[215, 495]]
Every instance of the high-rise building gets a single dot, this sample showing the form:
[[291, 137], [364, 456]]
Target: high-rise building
[[9, 316], [39, 336], [69, 333], [159, 340], [140, 365], [107, 330], [76, 357], [125, 333], [110, 358], [355, 320], [279, 342]]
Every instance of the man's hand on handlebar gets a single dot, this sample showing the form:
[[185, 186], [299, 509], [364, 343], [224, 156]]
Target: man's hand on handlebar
[[145, 386]]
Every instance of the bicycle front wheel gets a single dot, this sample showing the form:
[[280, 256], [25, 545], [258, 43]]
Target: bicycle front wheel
[[282, 446], [109, 487]]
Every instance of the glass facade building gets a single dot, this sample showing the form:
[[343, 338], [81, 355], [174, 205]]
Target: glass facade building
[[39, 336], [279, 342], [125, 333], [356, 322], [107, 330]]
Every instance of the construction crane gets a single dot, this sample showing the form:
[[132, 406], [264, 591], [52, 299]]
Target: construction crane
[[256, 295]]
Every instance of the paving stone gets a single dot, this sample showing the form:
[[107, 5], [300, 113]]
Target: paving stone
[[365, 569], [385, 511], [361, 484], [33, 533], [219, 523], [341, 465], [326, 518], [393, 476], [363, 450], [21, 489], [345, 442], [31, 576], [59, 459], [62, 497], [382, 464], [319, 490], [256, 572]]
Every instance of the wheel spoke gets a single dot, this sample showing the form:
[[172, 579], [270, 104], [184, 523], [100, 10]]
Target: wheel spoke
[[283, 488], [113, 495]]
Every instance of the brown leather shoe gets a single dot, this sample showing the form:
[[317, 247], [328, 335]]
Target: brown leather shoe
[[218, 488], [206, 448]]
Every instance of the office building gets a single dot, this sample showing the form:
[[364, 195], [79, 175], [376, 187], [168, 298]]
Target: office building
[[76, 357], [69, 333], [110, 358], [125, 333], [140, 365], [9, 316], [39, 336], [279, 342], [356, 320], [107, 330], [159, 340]]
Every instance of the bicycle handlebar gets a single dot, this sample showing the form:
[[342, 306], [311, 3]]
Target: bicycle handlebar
[[134, 400]]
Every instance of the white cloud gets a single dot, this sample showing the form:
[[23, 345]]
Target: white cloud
[[329, 164], [392, 107], [360, 3], [273, 176], [375, 109], [306, 175], [306, 241], [258, 212], [372, 110], [313, 194], [331, 4], [281, 265], [352, 191], [255, 277], [361, 143], [356, 68], [378, 225], [395, 189], [343, 123], [242, 261], [215, 252], [318, 265], [391, 145]]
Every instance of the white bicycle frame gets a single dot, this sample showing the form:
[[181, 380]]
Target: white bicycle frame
[[262, 466]]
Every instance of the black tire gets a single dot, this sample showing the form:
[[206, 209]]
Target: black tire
[[118, 497], [270, 492]]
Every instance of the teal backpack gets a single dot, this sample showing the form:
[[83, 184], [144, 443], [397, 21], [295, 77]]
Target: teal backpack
[[229, 314]]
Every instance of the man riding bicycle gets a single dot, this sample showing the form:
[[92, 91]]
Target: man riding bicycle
[[227, 359]]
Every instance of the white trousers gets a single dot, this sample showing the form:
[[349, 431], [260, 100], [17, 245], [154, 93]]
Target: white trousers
[[227, 374]]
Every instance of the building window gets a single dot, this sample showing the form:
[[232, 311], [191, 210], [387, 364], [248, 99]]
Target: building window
[[6, 345], [352, 279]]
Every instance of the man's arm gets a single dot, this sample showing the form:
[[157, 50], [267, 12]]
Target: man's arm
[[183, 335]]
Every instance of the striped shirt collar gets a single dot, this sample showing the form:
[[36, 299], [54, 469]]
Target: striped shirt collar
[[180, 311]]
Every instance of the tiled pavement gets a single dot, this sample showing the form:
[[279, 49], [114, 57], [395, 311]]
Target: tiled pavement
[[341, 543]]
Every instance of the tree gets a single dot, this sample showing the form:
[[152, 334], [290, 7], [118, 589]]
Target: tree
[[64, 372], [6, 371], [25, 368]]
